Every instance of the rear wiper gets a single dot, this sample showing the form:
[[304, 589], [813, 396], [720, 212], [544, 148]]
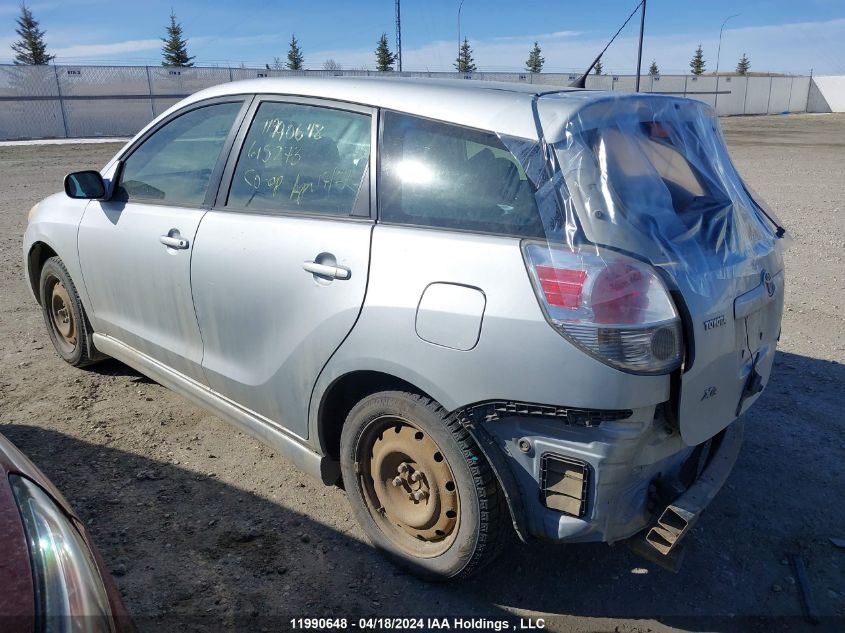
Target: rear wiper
[[779, 230]]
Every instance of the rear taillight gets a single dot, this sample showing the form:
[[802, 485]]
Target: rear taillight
[[561, 287], [614, 307]]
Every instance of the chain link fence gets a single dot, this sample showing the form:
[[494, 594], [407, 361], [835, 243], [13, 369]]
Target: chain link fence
[[91, 101]]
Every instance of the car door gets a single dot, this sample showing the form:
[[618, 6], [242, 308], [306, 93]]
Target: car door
[[280, 263], [135, 248]]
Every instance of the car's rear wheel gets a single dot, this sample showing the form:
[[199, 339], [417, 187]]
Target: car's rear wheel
[[64, 315], [420, 487]]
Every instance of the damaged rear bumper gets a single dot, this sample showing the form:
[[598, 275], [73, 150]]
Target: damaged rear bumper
[[662, 537], [618, 481]]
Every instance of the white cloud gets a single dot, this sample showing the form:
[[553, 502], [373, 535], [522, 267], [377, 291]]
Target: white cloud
[[91, 51], [541, 36]]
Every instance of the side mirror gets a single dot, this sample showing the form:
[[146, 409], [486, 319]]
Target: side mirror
[[86, 185]]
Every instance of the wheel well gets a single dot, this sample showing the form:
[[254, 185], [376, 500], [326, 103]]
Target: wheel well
[[38, 254], [343, 394]]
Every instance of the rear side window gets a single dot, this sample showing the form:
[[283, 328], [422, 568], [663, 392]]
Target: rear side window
[[302, 158], [448, 176], [173, 166]]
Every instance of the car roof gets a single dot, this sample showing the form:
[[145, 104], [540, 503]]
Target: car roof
[[488, 105]]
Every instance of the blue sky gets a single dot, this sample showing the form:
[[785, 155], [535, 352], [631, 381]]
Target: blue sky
[[777, 35]]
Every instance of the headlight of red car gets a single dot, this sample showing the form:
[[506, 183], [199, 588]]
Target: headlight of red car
[[69, 593]]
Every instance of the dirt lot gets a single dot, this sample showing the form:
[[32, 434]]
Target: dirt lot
[[206, 530]]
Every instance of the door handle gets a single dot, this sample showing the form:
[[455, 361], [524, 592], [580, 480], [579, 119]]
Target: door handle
[[173, 242], [328, 272]]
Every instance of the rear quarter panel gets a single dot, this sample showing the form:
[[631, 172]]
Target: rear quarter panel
[[518, 355]]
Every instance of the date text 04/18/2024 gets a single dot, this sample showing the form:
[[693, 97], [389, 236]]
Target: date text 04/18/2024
[[411, 624]]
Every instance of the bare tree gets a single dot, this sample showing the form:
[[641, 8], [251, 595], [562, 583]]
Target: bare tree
[[331, 64]]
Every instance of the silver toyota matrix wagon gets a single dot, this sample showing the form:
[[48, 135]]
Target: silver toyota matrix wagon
[[474, 305]]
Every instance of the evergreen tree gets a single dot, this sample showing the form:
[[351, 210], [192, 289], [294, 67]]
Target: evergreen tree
[[744, 65], [598, 68], [175, 49], [535, 61], [295, 56], [464, 63], [384, 58], [653, 70], [31, 48], [697, 63]]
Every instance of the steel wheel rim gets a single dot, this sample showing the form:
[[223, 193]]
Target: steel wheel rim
[[61, 316], [408, 486]]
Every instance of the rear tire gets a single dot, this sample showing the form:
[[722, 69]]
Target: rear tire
[[420, 487], [67, 323]]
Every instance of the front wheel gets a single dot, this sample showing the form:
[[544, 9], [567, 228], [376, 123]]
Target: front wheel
[[64, 315], [420, 487]]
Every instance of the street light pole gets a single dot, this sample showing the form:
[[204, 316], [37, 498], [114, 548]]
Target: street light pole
[[460, 6], [719, 54], [640, 48], [398, 37]]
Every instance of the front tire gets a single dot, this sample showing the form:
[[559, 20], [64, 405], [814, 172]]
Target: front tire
[[420, 487], [67, 324]]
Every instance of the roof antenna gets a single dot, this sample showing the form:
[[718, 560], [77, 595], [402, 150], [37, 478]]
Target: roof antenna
[[581, 82]]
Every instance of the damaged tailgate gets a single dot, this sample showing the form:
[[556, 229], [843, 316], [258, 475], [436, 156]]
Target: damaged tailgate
[[650, 176]]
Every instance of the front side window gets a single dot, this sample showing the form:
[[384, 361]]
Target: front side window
[[174, 165], [302, 159], [448, 176]]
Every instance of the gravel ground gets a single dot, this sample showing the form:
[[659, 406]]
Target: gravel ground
[[206, 530]]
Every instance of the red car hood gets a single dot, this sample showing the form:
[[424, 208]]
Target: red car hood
[[17, 605]]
